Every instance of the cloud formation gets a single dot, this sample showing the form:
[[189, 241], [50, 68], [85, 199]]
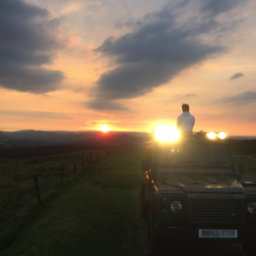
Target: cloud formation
[[36, 114], [236, 76], [190, 95], [158, 49], [27, 41], [214, 8], [243, 98], [104, 104]]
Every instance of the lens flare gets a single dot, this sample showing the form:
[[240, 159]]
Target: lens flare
[[222, 135], [104, 128], [165, 133], [211, 135]]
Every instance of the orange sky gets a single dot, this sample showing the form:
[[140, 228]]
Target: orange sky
[[84, 26]]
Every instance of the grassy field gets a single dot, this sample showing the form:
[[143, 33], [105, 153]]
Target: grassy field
[[249, 163], [102, 206], [96, 214], [18, 197]]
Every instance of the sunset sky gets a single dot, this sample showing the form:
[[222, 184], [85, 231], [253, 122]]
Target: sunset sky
[[76, 65]]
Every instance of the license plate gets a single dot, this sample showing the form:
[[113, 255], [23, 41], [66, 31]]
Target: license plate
[[218, 233]]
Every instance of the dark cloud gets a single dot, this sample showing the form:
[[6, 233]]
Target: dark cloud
[[243, 98], [151, 55], [104, 105], [213, 7], [160, 46], [27, 41], [182, 3], [37, 114], [236, 76], [129, 23]]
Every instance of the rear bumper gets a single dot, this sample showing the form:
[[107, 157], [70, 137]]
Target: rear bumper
[[193, 232]]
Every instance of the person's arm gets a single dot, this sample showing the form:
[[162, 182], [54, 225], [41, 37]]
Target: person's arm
[[193, 122], [178, 125]]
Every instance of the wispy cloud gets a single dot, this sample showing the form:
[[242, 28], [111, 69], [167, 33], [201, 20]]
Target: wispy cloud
[[104, 104], [214, 8], [243, 98], [37, 114], [236, 76], [190, 95]]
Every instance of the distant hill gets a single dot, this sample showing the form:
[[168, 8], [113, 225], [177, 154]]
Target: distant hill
[[31, 138], [30, 144], [242, 137]]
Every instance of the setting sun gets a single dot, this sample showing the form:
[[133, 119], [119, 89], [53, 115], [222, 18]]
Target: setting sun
[[104, 128]]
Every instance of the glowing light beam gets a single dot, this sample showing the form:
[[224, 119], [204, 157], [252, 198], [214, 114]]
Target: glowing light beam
[[165, 133]]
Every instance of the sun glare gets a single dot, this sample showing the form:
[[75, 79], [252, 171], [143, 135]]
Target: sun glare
[[166, 133], [104, 128]]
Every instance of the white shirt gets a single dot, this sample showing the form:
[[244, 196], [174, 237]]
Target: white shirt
[[185, 122]]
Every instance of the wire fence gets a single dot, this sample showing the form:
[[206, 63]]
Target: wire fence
[[37, 179], [27, 184]]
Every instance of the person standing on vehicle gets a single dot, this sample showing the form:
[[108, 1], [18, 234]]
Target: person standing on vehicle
[[185, 121]]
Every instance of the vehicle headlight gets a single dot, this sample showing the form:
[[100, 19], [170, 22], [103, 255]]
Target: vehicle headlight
[[211, 135], [222, 135], [251, 207], [176, 206]]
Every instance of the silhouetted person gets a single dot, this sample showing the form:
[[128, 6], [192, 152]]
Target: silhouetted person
[[186, 121]]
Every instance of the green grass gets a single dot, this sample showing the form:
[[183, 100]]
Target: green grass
[[18, 196], [85, 220], [249, 163], [98, 216]]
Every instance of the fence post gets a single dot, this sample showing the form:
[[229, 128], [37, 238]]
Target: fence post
[[97, 156], [91, 157], [61, 175], [75, 170], [37, 190]]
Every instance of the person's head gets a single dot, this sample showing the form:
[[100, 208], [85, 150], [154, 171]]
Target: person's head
[[185, 107]]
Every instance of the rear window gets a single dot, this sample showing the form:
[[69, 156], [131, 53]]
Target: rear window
[[192, 153]]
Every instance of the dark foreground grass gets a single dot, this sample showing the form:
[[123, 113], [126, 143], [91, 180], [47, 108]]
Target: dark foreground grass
[[97, 217], [85, 221], [18, 201]]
